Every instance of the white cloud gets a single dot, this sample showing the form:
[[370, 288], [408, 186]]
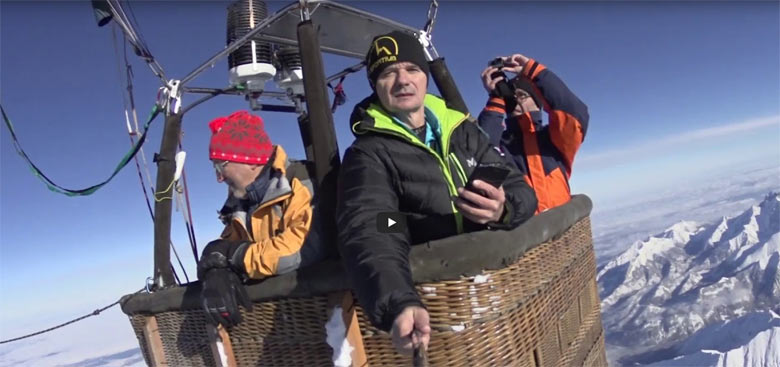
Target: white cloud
[[628, 153], [107, 337], [617, 224]]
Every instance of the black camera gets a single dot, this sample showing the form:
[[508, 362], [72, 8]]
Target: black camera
[[497, 62], [503, 89]]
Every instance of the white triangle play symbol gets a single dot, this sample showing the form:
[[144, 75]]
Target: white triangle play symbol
[[390, 222]]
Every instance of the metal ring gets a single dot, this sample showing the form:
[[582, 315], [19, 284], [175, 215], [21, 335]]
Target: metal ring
[[149, 284]]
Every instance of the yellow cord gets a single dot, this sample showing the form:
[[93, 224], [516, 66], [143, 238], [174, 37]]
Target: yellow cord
[[163, 192]]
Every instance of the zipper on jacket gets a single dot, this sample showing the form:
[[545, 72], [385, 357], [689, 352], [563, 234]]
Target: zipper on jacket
[[458, 168], [446, 152]]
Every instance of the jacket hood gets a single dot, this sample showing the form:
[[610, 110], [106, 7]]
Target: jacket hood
[[360, 113], [279, 185]]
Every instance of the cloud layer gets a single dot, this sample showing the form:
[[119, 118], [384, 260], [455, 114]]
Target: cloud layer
[[627, 153]]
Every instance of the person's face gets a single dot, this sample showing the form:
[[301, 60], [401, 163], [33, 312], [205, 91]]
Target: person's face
[[401, 88], [525, 101], [236, 175]]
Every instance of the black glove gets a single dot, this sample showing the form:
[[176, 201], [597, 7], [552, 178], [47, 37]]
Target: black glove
[[221, 295], [218, 269], [232, 256]]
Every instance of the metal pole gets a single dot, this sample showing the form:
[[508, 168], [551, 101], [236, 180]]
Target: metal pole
[[446, 84]]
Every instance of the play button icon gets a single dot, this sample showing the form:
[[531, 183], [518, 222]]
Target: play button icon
[[390, 222]]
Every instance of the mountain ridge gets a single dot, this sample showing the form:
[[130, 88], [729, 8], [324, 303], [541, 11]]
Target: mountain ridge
[[665, 288]]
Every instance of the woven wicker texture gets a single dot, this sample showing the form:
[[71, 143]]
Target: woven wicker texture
[[184, 337], [137, 323], [542, 310], [286, 332]]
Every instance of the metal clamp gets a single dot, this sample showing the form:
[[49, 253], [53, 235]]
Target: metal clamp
[[304, 7], [162, 98], [424, 35], [174, 95], [149, 284], [433, 9], [425, 40]]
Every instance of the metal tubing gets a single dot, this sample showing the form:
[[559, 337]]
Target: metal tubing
[[330, 50], [199, 101], [256, 33], [277, 108], [349, 70], [214, 91]]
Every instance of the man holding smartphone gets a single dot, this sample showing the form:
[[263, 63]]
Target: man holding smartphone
[[545, 153], [414, 155]]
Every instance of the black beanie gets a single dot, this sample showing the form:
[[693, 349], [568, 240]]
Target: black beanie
[[396, 46]]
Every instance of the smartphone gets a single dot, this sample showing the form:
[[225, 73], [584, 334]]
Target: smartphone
[[492, 174]]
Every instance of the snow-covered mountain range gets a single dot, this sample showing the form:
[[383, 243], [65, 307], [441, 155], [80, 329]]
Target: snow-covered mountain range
[[703, 294]]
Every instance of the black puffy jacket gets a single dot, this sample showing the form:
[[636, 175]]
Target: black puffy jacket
[[388, 169]]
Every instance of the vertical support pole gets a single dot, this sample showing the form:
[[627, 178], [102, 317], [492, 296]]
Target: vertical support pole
[[445, 83], [166, 167], [304, 125], [221, 348], [320, 131], [349, 316], [154, 342]]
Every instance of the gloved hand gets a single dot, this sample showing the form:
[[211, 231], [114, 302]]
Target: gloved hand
[[232, 256], [222, 293]]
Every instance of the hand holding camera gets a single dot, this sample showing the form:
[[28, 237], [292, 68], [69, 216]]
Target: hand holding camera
[[501, 87], [516, 63], [497, 84]]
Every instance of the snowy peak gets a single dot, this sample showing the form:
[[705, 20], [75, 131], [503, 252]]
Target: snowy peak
[[751, 340], [681, 231], [769, 215], [728, 335], [663, 289], [731, 236], [641, 252]]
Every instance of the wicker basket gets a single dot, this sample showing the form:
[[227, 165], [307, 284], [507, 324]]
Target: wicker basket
[[542, 309]]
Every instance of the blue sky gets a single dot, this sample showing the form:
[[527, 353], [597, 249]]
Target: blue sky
[[676, 91]]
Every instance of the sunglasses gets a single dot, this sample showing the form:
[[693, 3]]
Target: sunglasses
[[219, 166]]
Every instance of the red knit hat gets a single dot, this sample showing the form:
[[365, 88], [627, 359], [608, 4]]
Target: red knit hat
[[241, 138]]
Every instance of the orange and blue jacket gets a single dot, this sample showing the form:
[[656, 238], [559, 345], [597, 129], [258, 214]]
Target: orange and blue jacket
[[545, 153]]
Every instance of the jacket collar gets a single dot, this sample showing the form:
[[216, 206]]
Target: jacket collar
[[527, 122], [370, 115], [277, 186]]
